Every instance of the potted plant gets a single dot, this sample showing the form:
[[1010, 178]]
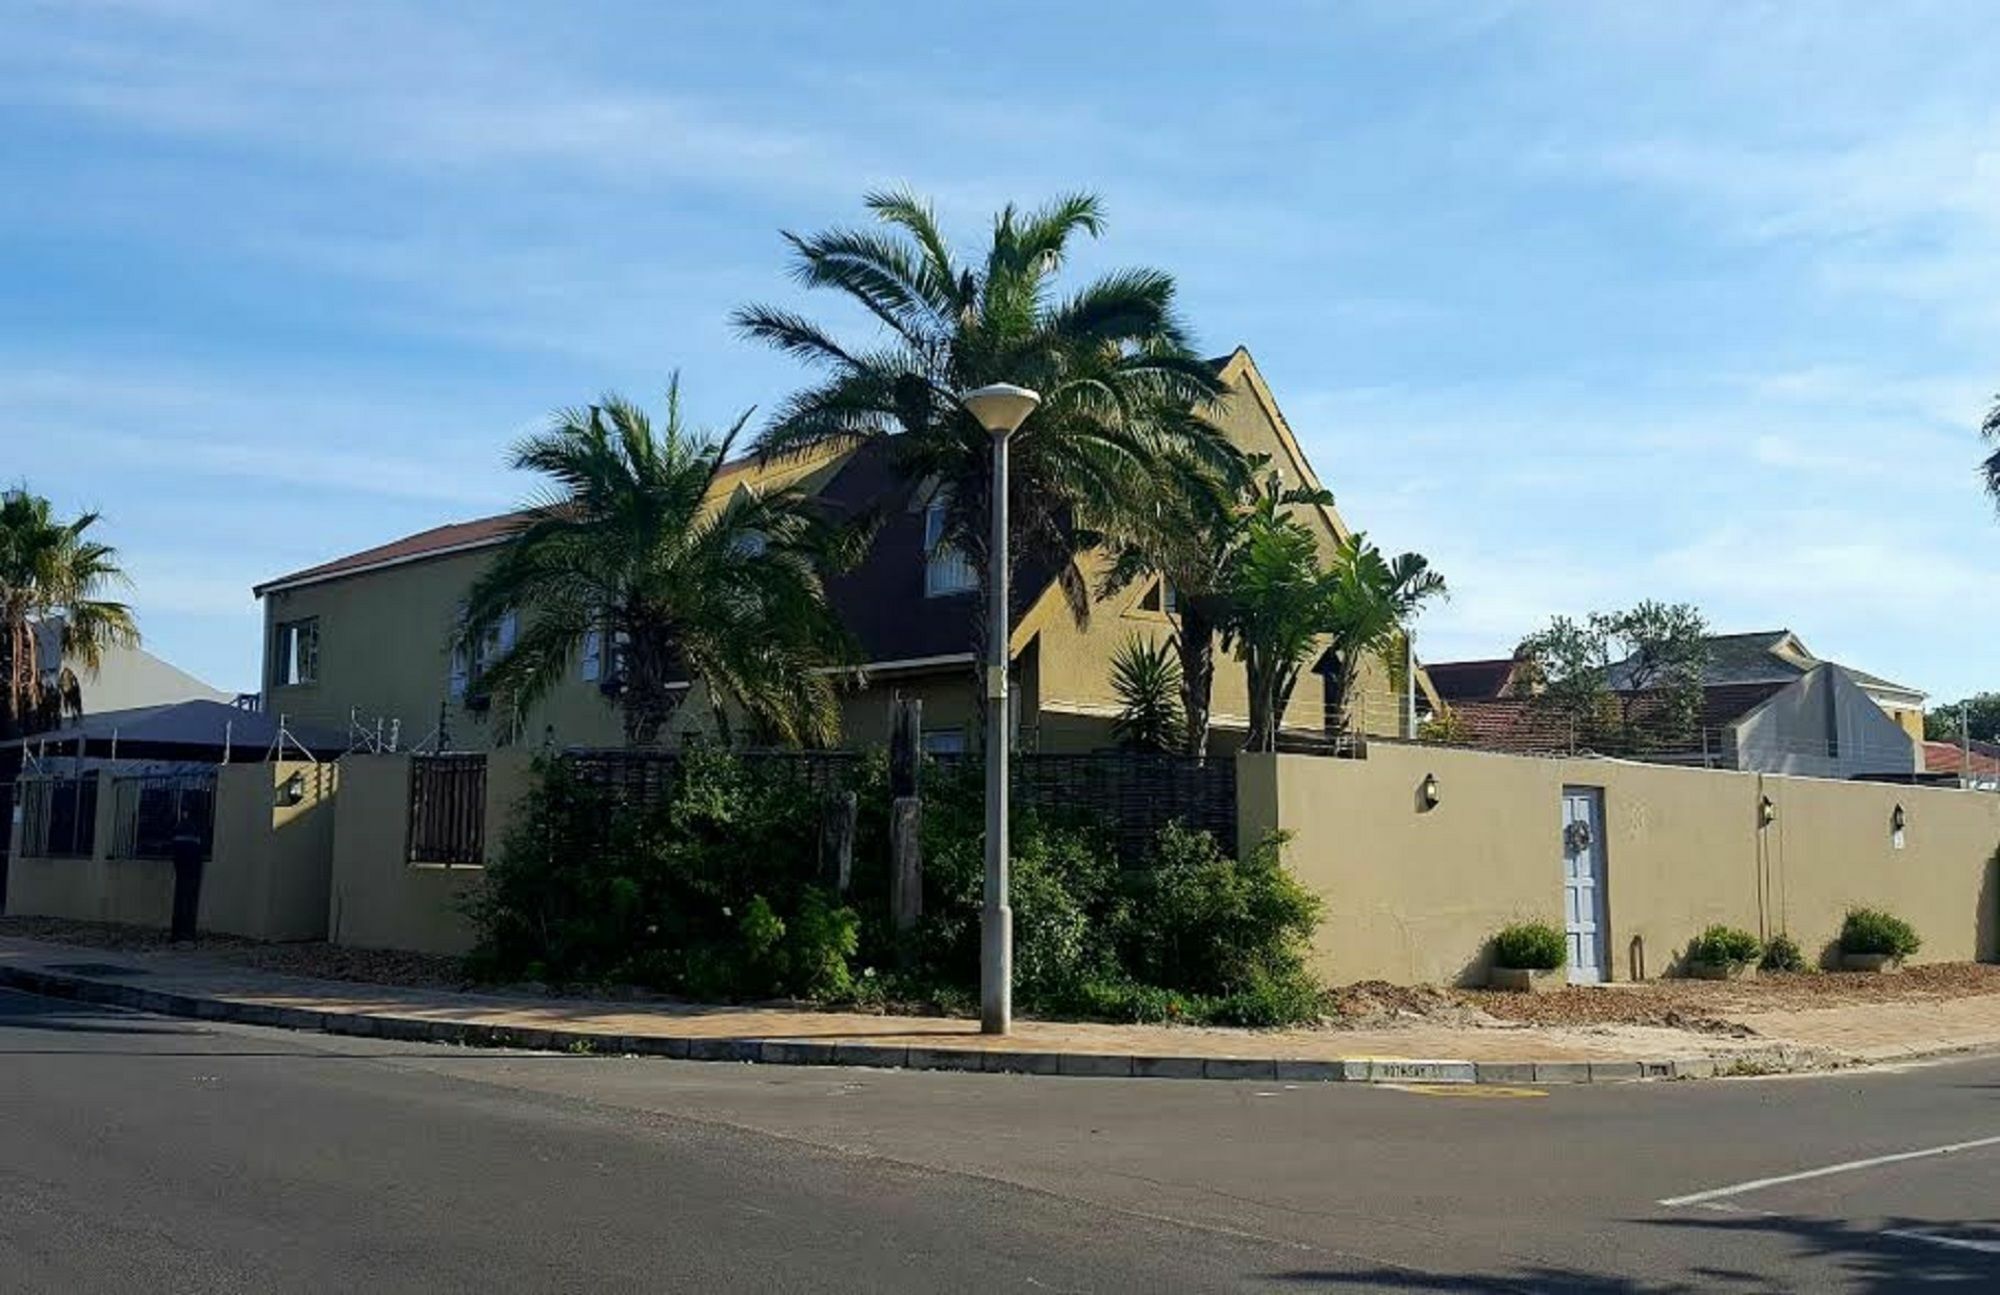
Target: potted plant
[[1783, 954], [1527, 957], [1724, 953], [1872, 940]]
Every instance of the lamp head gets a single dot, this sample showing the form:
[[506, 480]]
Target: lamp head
[[1002, 407]]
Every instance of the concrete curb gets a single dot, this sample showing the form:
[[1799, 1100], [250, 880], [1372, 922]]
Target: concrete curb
[[1775, 1059]]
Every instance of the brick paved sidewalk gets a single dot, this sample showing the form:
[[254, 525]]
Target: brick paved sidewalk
[[185, 983]]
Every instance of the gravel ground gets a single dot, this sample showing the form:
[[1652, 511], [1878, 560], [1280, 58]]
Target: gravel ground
[[1700, 1006]]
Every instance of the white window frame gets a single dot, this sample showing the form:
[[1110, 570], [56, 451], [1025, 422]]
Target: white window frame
[[946, 571]]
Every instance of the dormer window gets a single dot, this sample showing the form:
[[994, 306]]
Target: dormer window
[[946, 570]]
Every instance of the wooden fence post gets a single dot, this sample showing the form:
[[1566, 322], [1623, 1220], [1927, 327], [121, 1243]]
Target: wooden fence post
[[836, 840], [906, 860]]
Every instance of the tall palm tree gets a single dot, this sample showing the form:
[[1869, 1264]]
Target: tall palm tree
[[53, 576], [631, 543], [1121, 387], [1374, 598]]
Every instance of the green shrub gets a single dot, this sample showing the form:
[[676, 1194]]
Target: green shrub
[[714, 891], [1870, 930], [1783, 954], [1200, 921], [1725, 946], [1531, 946]]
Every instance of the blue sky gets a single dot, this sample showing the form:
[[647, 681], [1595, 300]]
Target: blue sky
[[1587, 303]]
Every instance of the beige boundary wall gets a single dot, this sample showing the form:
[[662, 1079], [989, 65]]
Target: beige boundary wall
[[273, 855], [1414, 895], [137, 892], [380, 900], [266, 876]]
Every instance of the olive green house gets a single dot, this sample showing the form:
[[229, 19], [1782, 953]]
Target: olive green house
[[361, 642]]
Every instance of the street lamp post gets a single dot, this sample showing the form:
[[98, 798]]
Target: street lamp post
[[1000, 409]]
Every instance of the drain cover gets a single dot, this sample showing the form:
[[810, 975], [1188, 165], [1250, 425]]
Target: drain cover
[[95, 969]]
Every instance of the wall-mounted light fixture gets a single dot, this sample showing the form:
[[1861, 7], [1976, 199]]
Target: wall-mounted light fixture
[[294, 789], [1767, 811], [1896, 823], [1428, 793]]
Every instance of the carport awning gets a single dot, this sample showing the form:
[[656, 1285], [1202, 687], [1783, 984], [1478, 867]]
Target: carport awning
[[205, 725]]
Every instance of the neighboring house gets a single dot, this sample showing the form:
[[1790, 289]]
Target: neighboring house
[[1820, 724], [126, 676], [1974, 764], [363, 638], [1779, 656], [1457, 681]]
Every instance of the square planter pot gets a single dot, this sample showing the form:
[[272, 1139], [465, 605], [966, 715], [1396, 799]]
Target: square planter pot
[[1524, 981], [1722, 970], [1879, 963]]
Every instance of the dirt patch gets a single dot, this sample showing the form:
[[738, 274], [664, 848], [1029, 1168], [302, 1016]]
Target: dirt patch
[[1373, 1004], [317, 960], [1705, 1006]]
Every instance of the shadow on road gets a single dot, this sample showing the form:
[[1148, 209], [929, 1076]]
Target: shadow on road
[[1869, 1259]]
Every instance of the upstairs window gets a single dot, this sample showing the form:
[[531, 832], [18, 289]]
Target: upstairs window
[[945, 569], [593, 655], [295, 652], [466, 667]]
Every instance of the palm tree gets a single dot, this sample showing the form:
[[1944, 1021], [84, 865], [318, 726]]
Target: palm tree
[[1276, 604], [632, 544], [1185, 538], [53, 576], [1374, 599], [1281, 608], [1121, 388], [1147, 678]]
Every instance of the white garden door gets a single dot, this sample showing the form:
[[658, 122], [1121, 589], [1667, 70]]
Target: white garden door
[[1583, 882]]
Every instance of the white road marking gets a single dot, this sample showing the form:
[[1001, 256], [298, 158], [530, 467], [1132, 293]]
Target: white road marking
[[1847, 1167], [1953, 1243]]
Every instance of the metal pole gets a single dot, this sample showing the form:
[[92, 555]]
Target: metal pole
[[996, 979]]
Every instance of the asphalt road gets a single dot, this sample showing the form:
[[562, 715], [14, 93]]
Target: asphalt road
[[138, 1153]]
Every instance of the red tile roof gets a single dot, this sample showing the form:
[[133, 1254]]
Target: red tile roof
[[1517, 724], [1949, 757]]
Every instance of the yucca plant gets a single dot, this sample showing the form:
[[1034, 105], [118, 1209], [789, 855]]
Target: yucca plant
[[1147, 678]]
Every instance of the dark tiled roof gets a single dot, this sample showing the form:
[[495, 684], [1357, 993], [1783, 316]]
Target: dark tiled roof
[[1470, 680], [438, 539], [190, 724]]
